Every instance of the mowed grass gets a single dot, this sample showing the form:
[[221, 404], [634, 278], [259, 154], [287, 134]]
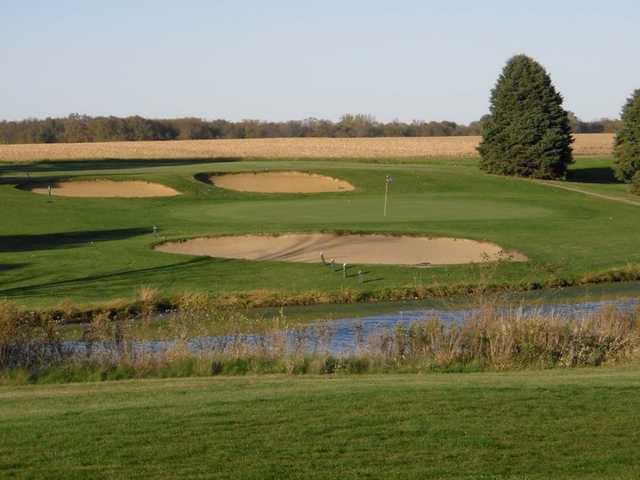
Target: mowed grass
[[96, 250], [571, 424]]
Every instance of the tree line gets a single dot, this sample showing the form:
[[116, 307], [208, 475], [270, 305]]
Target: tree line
[[83, 128]]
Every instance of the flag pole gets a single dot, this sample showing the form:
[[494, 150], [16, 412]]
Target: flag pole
[[387, 182]]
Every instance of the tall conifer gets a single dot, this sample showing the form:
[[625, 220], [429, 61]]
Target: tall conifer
[[627, 145], [528, 132]]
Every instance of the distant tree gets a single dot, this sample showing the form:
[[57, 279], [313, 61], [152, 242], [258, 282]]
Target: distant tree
[[49, 131], [76, 129], [603, 125], [627, 144], [359, 125], [395, 129], [319, 128], [528, 132], [83, 128], [475, 128], [574, 122], [608, 125]]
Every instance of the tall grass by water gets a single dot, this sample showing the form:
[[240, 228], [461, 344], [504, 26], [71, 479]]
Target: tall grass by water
[[201, 338]]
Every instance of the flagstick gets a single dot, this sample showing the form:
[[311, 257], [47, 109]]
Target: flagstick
[[387, 181], [386, 194]]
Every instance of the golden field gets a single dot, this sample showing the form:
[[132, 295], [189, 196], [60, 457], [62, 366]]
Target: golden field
[[585, 144]]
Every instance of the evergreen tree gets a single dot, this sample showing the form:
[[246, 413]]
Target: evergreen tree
[[528, 132], [627, 145]]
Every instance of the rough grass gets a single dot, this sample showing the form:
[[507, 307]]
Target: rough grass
[[571, 424], [585, 144]]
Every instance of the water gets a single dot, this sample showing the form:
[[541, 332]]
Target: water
[[342, 336]]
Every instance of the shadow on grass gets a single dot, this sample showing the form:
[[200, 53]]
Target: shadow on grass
[[11, 266], [604, 175], [352, 271], [371, 280], [50, 241], [81, 282], [48, 166]]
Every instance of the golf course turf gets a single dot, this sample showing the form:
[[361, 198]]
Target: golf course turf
[[573, 423], [92, 250], [560, 424]]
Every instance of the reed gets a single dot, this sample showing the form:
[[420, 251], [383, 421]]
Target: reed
[[31, 349], [28, 341]]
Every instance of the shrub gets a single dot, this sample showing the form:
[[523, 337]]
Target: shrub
[[627, 144], [635, 183], [527, 133]]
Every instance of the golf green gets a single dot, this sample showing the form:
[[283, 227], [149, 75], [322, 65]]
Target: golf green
[[98, 249]]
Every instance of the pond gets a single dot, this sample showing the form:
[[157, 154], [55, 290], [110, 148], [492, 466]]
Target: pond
[[348, 334]]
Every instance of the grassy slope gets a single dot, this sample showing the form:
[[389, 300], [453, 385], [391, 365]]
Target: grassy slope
[[91, 249], [534, 425]]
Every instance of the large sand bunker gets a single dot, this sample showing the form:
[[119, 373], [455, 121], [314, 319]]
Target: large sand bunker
[[280, 182], [107, 189], [351, 249]]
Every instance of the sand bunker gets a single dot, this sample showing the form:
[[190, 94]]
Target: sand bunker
[[280, 182], [351, 249], [107, 189]]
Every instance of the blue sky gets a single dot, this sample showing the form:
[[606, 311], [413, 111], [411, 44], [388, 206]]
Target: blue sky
[[283, 59]]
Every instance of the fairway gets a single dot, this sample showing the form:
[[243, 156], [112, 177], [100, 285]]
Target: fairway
[[92, 250], [561, 424]]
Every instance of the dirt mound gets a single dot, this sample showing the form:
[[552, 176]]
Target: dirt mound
[[280, 182], [107, 189], [351, 249]]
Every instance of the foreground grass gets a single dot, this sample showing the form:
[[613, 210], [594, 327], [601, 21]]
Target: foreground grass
[[551, 424]]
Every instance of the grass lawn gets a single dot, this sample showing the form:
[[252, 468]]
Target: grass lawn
[[560, 424], [93, 250]]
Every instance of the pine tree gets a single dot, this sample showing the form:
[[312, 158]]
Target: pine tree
[[627, 145], [528, 132]]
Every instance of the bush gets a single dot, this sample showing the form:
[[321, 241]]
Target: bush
[[635, 183], [627, 144], [527, 133]]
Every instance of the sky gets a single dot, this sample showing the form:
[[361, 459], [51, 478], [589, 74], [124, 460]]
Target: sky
[[285, 59]]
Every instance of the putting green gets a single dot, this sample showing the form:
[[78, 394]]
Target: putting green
[[404, 208]]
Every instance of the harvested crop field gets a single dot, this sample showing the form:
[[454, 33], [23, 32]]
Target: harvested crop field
[[107, 189], [351, 249], [585, 144], [280, 182]]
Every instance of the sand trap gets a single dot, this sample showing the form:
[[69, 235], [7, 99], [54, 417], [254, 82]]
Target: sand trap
[[108, 189], [351, 249], [280, 182]]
